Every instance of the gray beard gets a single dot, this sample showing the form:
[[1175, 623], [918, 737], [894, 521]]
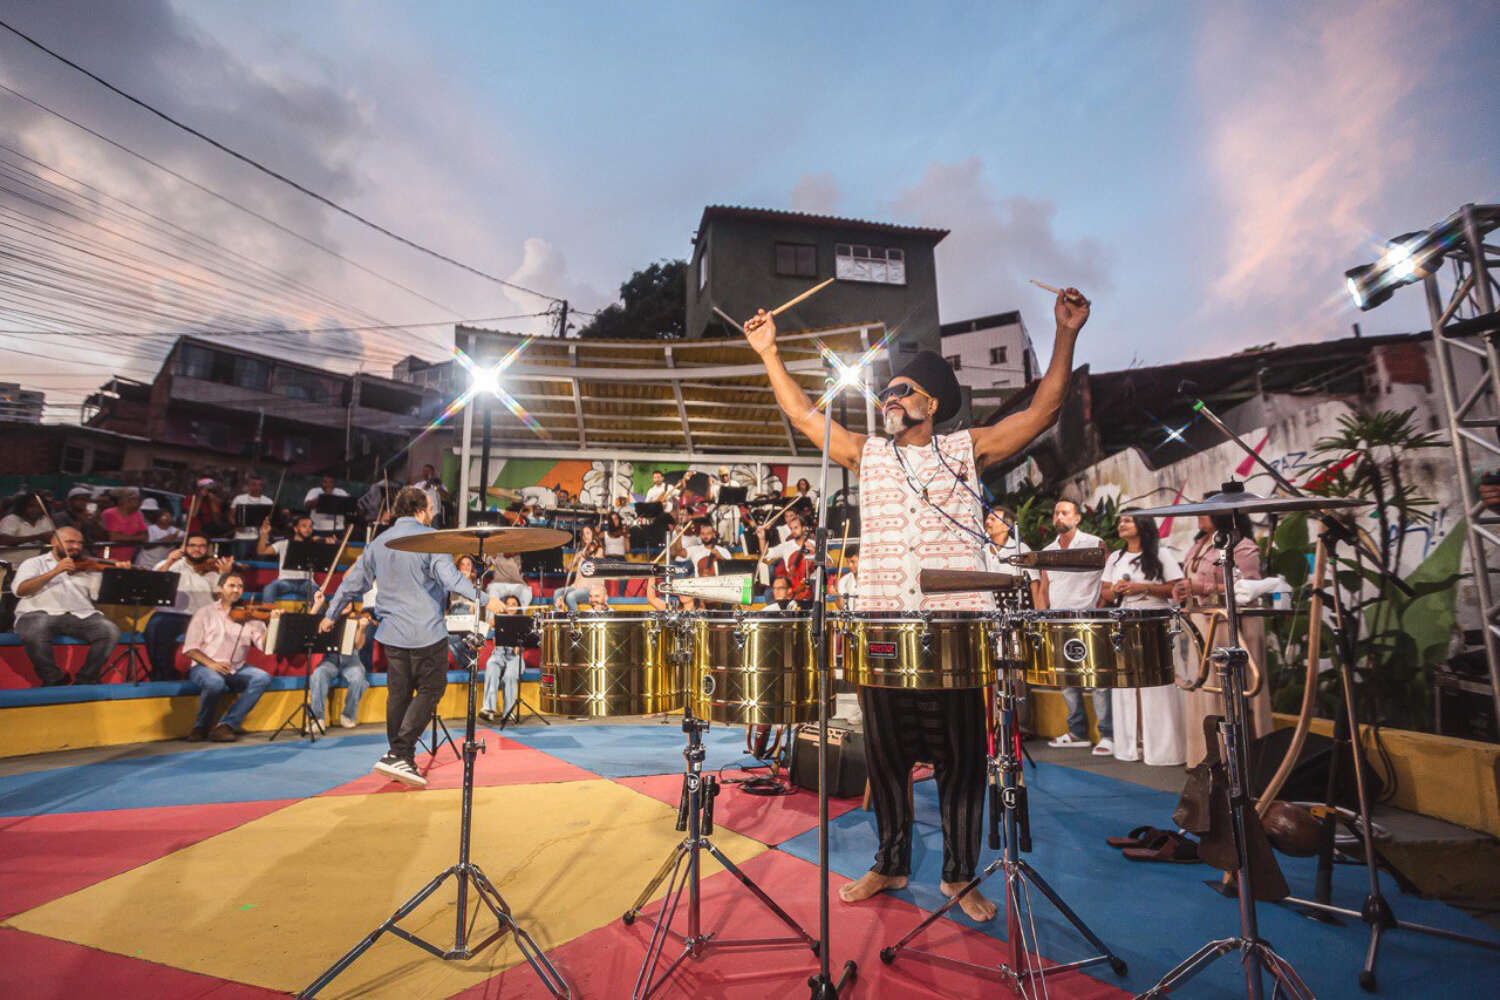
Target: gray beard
[[897, 421]]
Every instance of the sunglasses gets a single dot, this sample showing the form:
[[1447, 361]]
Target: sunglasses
[[900, 391]]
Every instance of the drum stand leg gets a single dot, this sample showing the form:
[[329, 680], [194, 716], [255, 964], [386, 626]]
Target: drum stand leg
[[1255, 953], [434, 744], [518, 712], [695, 815], [1023, 967], [466, 876]]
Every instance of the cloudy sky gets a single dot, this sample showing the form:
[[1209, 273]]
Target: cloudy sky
[[1205, 171]]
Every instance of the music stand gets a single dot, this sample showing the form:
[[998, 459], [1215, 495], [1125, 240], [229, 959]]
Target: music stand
[[298, 635], [335, 506], [250, 515], [732, 496], [137, 589], [650, 517], [517, 631], [306, 557]]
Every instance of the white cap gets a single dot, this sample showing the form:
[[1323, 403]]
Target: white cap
[[149, 504], [80, 491]]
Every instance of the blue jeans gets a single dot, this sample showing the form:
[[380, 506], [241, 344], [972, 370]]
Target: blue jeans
[[333, 666], [1078, 720], [504, 665], [287, 590], [462, 655], [573, 596], [249, 681]]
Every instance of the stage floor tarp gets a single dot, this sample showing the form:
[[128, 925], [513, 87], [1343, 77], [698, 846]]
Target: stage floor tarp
[[229, 871]]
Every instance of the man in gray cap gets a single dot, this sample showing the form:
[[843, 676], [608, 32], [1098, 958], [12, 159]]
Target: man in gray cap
[[921, 507]]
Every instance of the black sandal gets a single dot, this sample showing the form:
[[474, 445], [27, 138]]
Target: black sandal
[[1141, 836], [1174, 848]]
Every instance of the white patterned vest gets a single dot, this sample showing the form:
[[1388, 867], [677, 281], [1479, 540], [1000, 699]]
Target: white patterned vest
[[901, 533]]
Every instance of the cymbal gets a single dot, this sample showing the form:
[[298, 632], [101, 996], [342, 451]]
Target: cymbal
[[486, 541], [1233, 500]]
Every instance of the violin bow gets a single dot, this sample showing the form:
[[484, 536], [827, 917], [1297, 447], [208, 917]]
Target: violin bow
[[323, 590]]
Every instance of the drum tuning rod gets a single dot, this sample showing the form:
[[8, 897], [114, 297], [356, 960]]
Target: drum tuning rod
[[952, 581]]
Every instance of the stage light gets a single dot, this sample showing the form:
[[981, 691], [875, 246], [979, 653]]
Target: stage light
[[1405, 259], [484, 380]]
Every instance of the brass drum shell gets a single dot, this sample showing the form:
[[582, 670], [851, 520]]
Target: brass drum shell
[[1096, 648], [753, 669], [604, 665], [950, 649]]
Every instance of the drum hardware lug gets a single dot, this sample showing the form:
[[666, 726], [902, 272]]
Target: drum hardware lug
[[1117, 638]]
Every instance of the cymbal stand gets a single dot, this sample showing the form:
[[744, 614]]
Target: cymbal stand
[[695, 816], [1004, 767], [467, 874], [1376, 910], [1254, 951]]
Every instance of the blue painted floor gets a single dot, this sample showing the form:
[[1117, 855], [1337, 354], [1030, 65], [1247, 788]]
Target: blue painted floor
[[1155, 915]]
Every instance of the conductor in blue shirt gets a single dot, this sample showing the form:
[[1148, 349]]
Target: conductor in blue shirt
[[413, 589]]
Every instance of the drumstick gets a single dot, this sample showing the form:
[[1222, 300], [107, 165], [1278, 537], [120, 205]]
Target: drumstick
[[814, 290], [42, 504], [187, 526], [674, 541], [1046, 288], [336, 556]]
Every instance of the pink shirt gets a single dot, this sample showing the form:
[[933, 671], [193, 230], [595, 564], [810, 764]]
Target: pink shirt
[[906, 504], [131, 524], [1205, 576], [214, 634]]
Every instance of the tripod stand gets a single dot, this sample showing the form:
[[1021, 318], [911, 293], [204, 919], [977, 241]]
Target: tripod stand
[[434, 743], [1005, 770], [467, 874], [1376, 910], [695, 816], [1233, 731]]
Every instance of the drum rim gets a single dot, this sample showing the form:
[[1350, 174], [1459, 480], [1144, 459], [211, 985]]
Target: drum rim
[[1094, 614], [595, 617], [918, 617]]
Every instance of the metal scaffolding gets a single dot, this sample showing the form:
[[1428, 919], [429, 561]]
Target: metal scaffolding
[[1464, 331]]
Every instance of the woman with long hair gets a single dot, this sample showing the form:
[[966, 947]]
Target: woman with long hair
[[1200, 592], [1140, 577], [589, 546]]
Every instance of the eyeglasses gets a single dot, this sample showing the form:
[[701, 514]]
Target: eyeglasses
[[900, 391]]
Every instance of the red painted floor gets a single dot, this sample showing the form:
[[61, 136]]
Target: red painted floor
[[49, 856], [770, 820], [504, 762], [605, 962], [41, 968]]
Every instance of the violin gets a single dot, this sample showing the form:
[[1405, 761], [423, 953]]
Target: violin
[[242, 613], [89, 564], [708, 565], [798, 566]]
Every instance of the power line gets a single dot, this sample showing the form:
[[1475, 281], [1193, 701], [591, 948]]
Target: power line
[[227, 200], [255, 164], [197, 332]]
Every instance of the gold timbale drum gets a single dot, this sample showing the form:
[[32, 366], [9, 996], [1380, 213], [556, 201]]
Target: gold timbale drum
[[606, 665], [752, 669], [1096, 647], [917, 650]]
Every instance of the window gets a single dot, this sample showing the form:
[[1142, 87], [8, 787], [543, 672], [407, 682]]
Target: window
[[703, 268], [73, 458], [295, 384], [195, 362], [954, 361], [997, 355], [252, 373], [880, 265], [796, 260], [108, 460]]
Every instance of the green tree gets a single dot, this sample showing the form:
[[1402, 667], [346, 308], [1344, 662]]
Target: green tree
[[654, 306]]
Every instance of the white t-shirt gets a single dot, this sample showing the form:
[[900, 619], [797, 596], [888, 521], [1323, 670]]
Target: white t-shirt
[[697, 551], [776, 553], [1067, 591], [994, 558], [287, 574], [1123, 565], [64, 594], [194, 590], [253, 532], [324, 522], [11, 524], [848, 589], [656, 492], [159, 544], [617, 548]]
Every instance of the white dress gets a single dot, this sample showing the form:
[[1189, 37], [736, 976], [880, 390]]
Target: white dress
[[1161, 719]]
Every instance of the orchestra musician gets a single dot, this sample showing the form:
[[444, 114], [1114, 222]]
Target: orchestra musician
[[660, 492], [356, 681], [198, 575], [56, 592], [793, 533], [254, 495], [705, 552], [324, 524], [217, 642], [922, 507], [290, 584]]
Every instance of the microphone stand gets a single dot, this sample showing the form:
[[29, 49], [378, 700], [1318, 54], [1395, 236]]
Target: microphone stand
[[823, 985], [1376, 910]]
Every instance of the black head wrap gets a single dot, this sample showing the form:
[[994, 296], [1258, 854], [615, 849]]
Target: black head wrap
[[935, 377]]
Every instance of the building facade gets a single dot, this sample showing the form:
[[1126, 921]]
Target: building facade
[[22, 406], [745, 259]]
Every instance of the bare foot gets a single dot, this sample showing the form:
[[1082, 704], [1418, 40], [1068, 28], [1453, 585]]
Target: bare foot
[[868, 885], [974, 905]]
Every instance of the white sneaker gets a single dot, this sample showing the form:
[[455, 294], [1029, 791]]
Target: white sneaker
[[1067, 740], [316, 725], [1104, 748], [400, 770], [347, 722]]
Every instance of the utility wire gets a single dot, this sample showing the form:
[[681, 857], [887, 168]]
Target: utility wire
[[256, 165]]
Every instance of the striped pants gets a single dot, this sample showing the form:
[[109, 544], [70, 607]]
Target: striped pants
[[946, 729]]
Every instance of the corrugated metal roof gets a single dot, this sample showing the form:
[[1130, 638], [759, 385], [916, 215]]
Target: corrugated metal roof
[[781, 215]]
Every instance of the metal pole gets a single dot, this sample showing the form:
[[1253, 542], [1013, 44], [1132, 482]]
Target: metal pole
[[463, 467], [484, 459]]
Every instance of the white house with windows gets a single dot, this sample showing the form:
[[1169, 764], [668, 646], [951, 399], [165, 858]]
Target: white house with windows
[[990, 352]]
